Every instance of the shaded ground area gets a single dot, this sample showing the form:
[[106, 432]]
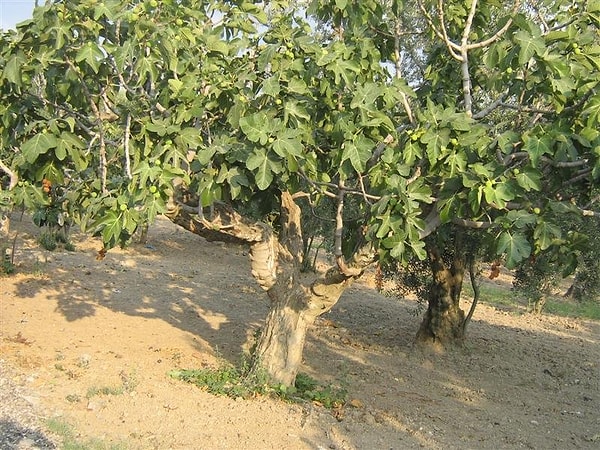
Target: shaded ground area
[[89, 342]]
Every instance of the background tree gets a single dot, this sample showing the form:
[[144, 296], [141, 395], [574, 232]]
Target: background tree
[[534, 153], [199, 110]]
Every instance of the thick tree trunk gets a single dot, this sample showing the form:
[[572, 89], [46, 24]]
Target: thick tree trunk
[[294, 308], [443, 324], [276, 265]]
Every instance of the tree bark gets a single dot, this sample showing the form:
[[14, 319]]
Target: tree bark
[[443, 324], [294, 306], [276, 265]]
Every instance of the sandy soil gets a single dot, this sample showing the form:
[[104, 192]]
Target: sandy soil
[[91, 341]]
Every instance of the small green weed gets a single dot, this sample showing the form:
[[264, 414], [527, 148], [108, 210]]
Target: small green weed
[[73, 398], [104, 390], [227, 380], [6, 266], [233, 382], [51, 240], [555, 304], [129, 383], [69, 441], [307, 388]]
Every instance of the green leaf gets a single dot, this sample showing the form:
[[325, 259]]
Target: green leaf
[[157, 126], [365, 96], [395, 243], [358, 152], [189, 137], [288, 146], [103, 10], [91, 54], [260, 164], [12, 69], [545, 234], [521, 218], [593, 6], [294, 108], [389, 223], [111, 228], [254, 127], [418, 248], [271, 87], [298, 86], [411, 152], [175, 85], [68, 143], [266, 56], [38, 145], [592, 111], [507, 141], [515, 246], [503, 194], [344, 69], [155, 207], [436, 141], [530, 179], [215, 44], [457, 163], [529, 46], [536, 146]]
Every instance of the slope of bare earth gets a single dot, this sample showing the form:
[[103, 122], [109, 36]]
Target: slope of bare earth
[[90, 342]]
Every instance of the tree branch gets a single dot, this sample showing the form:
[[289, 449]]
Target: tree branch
[[13, 177], [498, 33], [492, 106], [126, 146], [442, 35], [339, 233], [101, 133], [398, 74]]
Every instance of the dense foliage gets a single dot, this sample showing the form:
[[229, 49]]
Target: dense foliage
[[485, 117]]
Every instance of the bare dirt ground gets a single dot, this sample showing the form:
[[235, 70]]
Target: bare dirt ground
[[90, 342]]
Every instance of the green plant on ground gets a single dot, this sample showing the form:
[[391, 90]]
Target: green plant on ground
[[67, 435], [495, 295], [128, 384], [104, 390], [555, 304], [6, 265], [230, 381], [581, 310], [51, 240], [307, 388]]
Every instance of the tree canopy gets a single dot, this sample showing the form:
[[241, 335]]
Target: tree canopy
[[482, 116]]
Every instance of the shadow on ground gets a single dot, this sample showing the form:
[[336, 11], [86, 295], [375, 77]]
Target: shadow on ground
[[514, 384], [16, 437]]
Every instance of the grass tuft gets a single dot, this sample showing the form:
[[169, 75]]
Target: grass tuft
[[566, 308], [67, 434], [506, 298], [233, 382]]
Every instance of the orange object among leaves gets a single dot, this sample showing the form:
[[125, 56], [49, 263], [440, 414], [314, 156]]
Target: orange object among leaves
[[46, 186], [494, 270]]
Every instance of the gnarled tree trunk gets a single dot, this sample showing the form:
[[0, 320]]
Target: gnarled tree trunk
[[294, 308], [276, 265], [443, 323]]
